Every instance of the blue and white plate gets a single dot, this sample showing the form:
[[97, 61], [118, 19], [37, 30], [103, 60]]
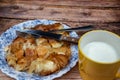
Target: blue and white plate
[[8, 36]]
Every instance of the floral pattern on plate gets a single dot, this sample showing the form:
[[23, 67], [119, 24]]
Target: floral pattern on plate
[[9, 35]]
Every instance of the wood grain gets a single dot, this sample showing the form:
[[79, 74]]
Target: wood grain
[[69, 3], [86, 11], [23, 11]]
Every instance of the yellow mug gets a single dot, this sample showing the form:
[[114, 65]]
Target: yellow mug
[[99, 55]]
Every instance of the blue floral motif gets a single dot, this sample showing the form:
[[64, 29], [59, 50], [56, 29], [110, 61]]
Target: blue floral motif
[[8, 36]]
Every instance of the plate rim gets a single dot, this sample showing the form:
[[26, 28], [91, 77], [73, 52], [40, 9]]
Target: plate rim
[[33, 22]]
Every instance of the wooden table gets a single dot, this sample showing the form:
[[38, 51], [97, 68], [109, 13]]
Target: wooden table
[[103, 14]]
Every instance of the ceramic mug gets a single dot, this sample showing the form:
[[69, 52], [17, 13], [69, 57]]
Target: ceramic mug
[[99, 55]]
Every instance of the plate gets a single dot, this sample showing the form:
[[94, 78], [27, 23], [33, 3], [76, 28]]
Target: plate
[[9, 35]]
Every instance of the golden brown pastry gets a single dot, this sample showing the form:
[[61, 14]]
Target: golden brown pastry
[[42, 56]]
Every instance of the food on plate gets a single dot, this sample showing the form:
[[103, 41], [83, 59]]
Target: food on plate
[[42, 56]]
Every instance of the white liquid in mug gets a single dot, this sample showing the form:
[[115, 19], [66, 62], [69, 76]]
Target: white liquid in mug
[[101, 52]]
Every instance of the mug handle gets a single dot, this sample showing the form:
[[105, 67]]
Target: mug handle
[[118, 74]]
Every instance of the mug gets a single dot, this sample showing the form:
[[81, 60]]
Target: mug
[[99, 55]]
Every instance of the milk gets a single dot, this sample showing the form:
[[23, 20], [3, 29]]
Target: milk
[[100, 51]]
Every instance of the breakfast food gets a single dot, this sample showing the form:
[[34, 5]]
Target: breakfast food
[[41, 55]]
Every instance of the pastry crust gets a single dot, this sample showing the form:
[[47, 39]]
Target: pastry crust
[[41, 55]]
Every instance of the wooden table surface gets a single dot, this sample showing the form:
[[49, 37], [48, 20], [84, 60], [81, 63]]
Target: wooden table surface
[[103, 14]]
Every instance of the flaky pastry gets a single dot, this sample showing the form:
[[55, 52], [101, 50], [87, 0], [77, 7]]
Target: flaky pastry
[[41, 55]]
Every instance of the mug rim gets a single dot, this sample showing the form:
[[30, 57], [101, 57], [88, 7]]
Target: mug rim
[[81, 51]]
